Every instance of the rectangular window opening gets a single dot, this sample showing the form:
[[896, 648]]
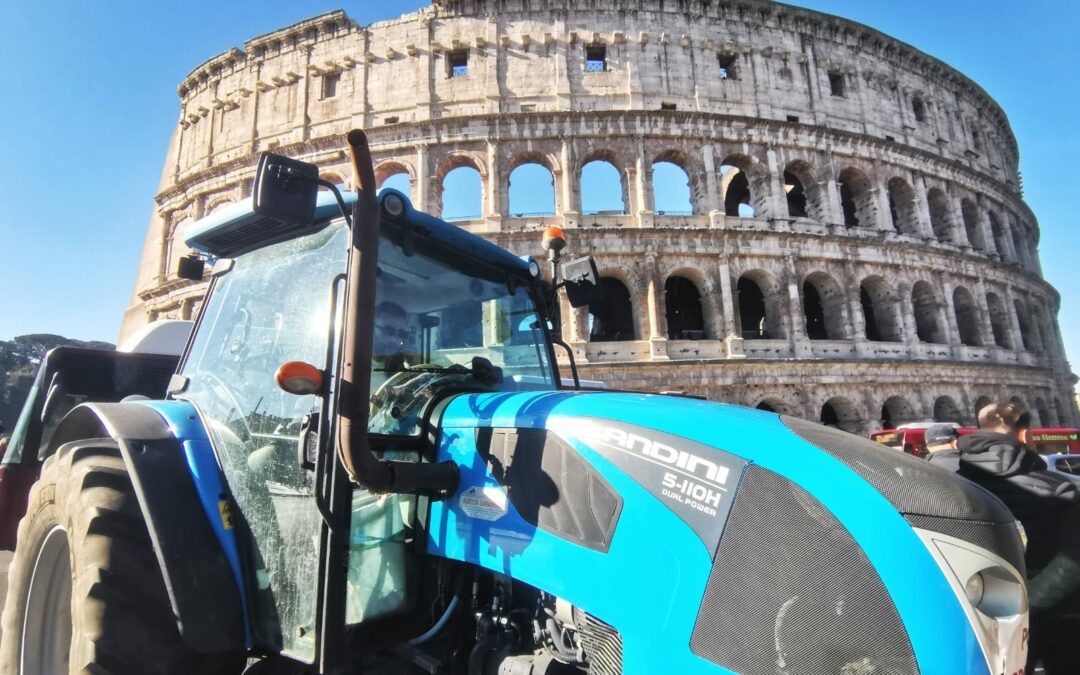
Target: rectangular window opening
[[329, 84], [976, 140], [457, 62], [836, 84], [919, 108], [667, 106], [727, 66], [793, 118], [595, 58], [390, 120]]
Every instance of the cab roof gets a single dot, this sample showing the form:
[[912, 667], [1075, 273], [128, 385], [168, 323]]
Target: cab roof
[[237, 229]]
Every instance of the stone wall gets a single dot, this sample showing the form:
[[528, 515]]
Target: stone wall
[[895, 258]]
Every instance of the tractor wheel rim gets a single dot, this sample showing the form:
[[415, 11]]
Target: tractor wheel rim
[[46, 635]]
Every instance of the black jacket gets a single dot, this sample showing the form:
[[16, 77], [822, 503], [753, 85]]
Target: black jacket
[[1046, 504]]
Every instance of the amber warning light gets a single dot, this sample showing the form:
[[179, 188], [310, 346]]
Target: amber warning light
[[297, 377], [554, 239]]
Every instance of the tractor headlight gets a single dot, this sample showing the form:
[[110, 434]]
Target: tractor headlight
[[992, 594]]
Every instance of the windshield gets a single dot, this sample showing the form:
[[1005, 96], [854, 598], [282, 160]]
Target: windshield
[[442, 324]]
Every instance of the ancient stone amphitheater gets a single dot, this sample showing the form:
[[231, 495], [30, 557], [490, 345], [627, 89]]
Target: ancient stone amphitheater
[[855, 249]]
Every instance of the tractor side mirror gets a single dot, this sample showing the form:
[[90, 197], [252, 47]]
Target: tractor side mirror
[[582, 282], [285, 189]]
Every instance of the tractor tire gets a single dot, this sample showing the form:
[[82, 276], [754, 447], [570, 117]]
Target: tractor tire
[[85, 592]]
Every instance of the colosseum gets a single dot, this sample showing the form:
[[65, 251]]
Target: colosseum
[[855, 248]]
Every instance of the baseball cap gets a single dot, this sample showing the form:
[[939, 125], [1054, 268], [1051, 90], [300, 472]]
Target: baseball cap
[[940, 433]]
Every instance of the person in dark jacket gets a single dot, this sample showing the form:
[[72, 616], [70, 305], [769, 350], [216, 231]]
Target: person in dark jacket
[[1048, 506]]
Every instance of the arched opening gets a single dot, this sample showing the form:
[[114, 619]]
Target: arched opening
[[940, 219], [612, 320], [902, 208], [1018, 245], [879, 311], [1062, 417], [531, 190], [601, 188], [803, 192], [1001, 241], [999, 320], [1043, 413], [399, 180], [736, 192], [759, 309], [1022, 318], [775, 405], [840, 413], [928, 324], [671, 190], [685, 318], [796, 196], [856, 199], [946, 410], [1016, 400], [981, 403], [974, 233], [896, 411], [823, 307], [462, 194], [967, 317]]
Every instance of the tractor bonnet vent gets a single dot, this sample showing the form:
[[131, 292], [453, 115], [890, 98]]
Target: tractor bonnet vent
[[792, 592], [929, 497]]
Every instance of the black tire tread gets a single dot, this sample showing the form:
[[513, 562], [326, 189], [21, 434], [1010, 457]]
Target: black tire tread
[[122, 620]]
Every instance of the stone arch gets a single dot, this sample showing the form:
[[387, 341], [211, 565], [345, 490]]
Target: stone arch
[[946, 410], [940, 215], [676, 205], [927, 310], [685, 309], [332, 177], [1061, 416], [217, 204], [1018, 243], [603, 171], [388, 168], [998, 230], [880, 314], [897, 410], [981, 403], [1027, 330], [805, 196], [972, 227], [1043, 328], [968, 319], [530, 185], [999, 320], [824, 307], [903, 207], [1019, 401], [1043, 412], [613, 319], [856, 198], [773, 403], [744, 186], [760, 305], [841, 413], [449, 164]]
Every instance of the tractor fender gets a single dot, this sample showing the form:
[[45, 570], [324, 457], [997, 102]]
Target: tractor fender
[[173, 486]]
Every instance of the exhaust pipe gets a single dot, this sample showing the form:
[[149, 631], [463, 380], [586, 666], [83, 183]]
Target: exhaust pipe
[[354, 390]]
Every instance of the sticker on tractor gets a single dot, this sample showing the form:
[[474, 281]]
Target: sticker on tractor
[[692, 479], [225, 508], [484, 503]]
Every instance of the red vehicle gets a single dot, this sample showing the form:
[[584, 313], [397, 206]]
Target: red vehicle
[[1044, 440], [67, 377]]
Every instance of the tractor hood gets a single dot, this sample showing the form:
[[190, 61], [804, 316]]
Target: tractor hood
[[652, 438]]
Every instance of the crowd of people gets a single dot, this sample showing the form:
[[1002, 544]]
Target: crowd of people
[[1046, 504]]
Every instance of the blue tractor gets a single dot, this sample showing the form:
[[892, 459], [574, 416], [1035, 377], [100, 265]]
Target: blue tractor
[[368, 463]]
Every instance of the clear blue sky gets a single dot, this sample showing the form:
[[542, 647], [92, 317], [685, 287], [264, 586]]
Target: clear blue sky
[[89, 102]]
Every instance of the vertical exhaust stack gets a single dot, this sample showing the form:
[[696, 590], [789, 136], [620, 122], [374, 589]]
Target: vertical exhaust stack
[[354, 404]]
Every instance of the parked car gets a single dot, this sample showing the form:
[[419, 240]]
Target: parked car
[[67, 377]]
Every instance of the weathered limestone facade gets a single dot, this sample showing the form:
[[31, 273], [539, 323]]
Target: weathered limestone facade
[[890, 268]]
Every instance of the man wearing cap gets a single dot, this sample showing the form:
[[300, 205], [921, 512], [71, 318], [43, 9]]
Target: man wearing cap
[[1048, 506], [940, 437]]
